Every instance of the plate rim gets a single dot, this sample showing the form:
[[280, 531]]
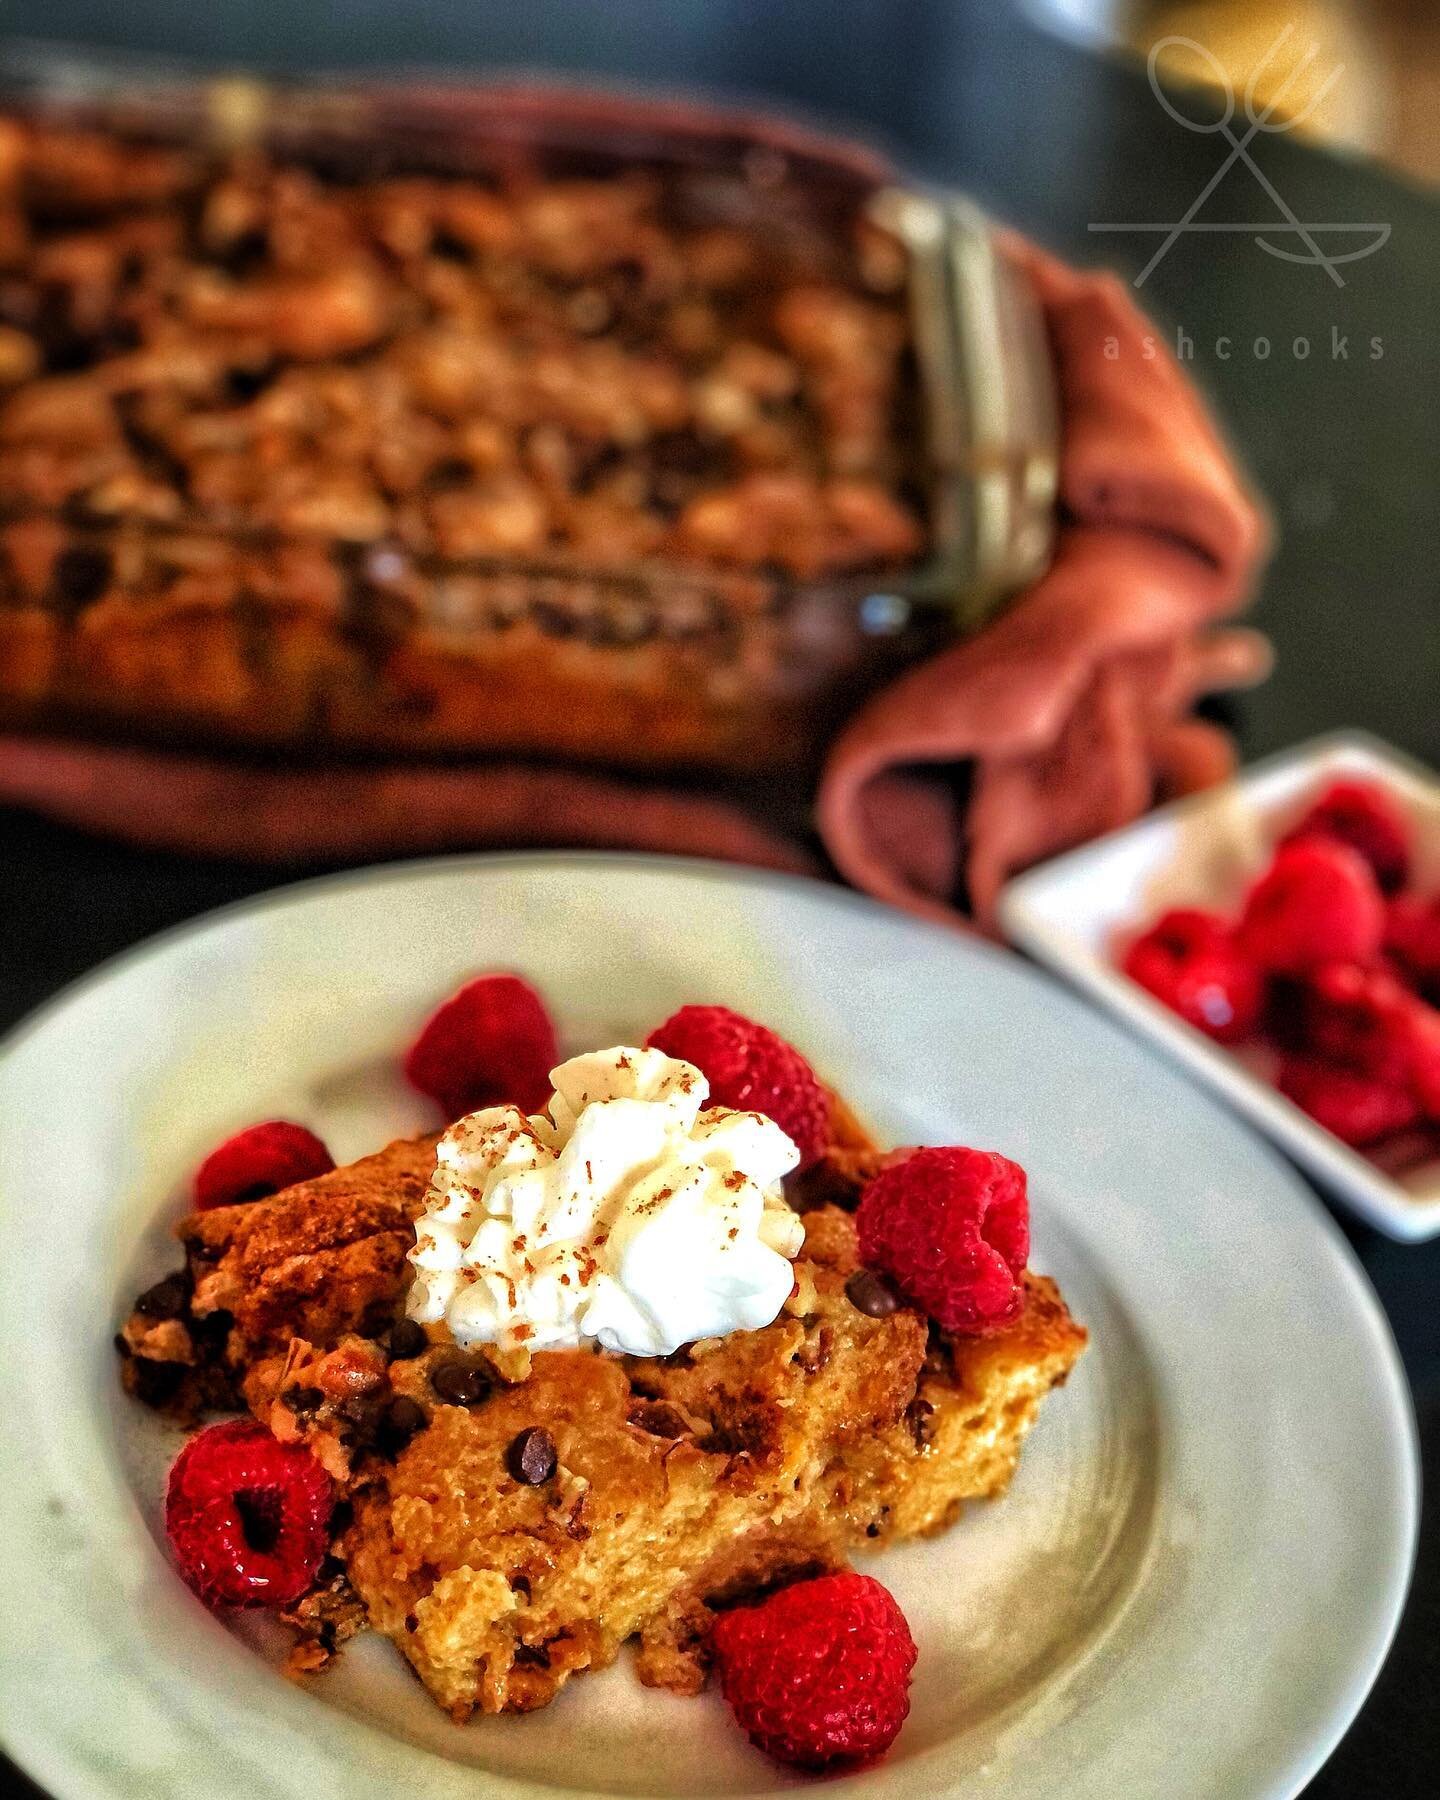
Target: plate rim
[[1401, 1426]]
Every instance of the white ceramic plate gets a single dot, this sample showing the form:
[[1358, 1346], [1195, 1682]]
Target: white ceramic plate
[[1205, 851], [1187, 1591]]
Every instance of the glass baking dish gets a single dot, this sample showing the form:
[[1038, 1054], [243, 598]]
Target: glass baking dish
[[761, 487]]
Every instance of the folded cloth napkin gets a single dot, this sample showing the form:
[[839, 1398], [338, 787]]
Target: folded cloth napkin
[[1071, 710], [1061, 719]]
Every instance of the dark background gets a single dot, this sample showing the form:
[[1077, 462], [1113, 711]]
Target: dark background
[[1051, 139]]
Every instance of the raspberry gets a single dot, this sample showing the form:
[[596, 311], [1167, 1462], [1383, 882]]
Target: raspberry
[[952, 1228], [1316, 903], [1362, 1018], [1412, 937], [750, 1069], [1191, 962], [258, 1161], [1357, 1108], [1425, 1058], [489, 1044], [248, 1517], [818, 1675], [1364, 816]]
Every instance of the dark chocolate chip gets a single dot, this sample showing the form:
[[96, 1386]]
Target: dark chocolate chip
[[919, 1415], [82, 573], [399, 1422], [531, 1458], [363, 1413], [242, 385], [659, 1418], [156, 1383], [168, 1299], [407, 1340], [302, 1399], [210, 1332], [872, 1294], [460, 1381]]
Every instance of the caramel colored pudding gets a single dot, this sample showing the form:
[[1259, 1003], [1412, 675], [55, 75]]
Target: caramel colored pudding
[[514, 1521]]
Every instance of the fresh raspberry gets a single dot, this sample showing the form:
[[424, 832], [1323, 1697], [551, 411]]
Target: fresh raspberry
[[248, 1517], [1361, 1018], [750, 1069], [1316, 903], [1362, 815], [1425, 1058], [490, 1044], [1190, 961], [952, 1228], [258, 1161], [818, 1674], [1357, 1108], [1412, 937]]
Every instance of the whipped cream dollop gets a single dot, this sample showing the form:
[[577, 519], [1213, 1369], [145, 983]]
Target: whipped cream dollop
[[628, 1213]]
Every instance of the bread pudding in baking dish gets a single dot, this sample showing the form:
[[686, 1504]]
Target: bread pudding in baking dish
[[423, 439], [666, 1351]]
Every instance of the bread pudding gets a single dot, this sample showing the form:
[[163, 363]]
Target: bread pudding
[[510, 1515], [412, 444]]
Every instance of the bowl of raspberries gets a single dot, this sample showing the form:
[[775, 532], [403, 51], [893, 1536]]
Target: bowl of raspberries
[[1281, 936]]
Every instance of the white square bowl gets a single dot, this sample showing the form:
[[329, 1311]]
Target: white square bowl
[[1069, 913]]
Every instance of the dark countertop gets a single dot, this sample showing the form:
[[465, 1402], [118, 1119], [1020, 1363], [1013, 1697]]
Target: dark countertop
[[1346, 447]]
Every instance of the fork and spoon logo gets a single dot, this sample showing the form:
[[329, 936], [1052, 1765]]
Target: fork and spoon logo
[[1302, 241]]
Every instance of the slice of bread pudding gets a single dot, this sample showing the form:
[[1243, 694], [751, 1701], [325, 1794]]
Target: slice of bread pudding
[[509, 1519]]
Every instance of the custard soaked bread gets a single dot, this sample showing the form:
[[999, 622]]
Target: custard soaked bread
[[513, 1517]]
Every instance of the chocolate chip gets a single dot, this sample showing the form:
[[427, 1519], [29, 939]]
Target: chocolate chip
[[919, 1416], [399, 1422], [82, 573], [407, 1340], [168, 1299], [156, 1383], [210, 1332], [659, 1418], [302, 1399], [531, 1458], [363, 1413], [872, 1294], [460, 1381], [243, 385]]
